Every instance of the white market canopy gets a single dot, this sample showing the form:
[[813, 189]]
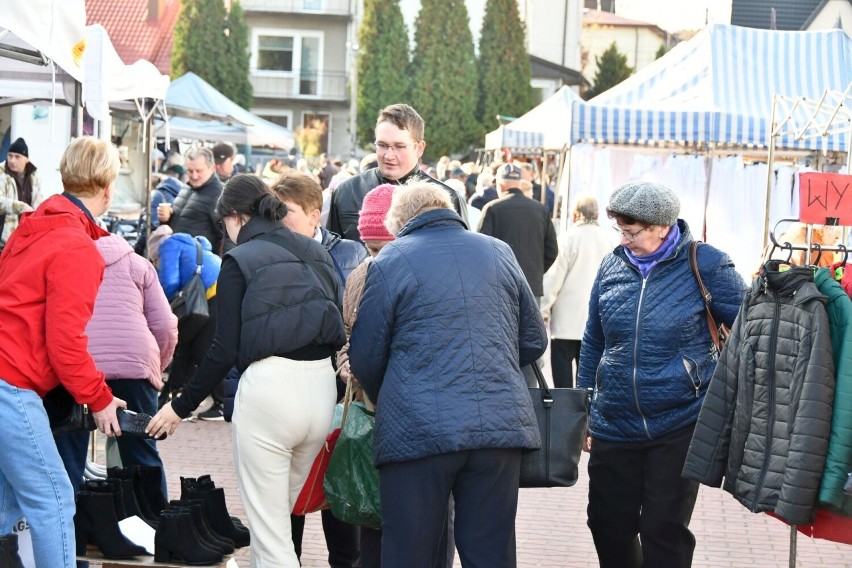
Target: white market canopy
[[718, 88], [542, 127], [42, 43], [215, 117]]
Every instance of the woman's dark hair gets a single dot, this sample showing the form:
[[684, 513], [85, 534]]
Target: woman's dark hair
[[247, 194], [624, 219]]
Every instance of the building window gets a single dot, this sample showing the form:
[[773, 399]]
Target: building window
[[294, 53], [315, 5], [275, 53], [278, 116]]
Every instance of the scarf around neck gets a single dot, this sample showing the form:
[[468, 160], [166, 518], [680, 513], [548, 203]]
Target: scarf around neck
[[647, 262]]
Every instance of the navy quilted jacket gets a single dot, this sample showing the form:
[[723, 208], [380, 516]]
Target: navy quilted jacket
[[445, 323], [647, 349]]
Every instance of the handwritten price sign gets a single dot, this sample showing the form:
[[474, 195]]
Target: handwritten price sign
[[825, 195]]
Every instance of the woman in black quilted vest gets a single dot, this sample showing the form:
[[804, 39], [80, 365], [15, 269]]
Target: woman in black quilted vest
[[281, 338]]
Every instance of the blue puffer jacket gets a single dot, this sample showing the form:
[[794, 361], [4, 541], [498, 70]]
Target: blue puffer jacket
[[445, 323], [647, 349], [178, 255], [345, 254]]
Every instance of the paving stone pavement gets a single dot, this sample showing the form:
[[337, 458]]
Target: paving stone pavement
[[551, 529]]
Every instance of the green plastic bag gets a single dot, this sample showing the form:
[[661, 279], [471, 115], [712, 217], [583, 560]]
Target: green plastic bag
[[352, 481]]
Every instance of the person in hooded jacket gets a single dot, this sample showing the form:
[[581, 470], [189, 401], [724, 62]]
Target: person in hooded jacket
[[445, 323], [282, 339], [50, 271], [176, 259], [648, 353]]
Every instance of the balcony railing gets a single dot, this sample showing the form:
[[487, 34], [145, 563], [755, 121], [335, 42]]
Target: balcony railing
[[330, 7], [329, 85]]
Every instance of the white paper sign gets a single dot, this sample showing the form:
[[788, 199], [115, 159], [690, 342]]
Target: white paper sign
[[25, 543], [138, 532]]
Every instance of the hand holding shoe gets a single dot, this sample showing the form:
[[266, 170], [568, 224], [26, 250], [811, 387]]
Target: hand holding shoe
[[106, 419], [134, 423], [165, 421]]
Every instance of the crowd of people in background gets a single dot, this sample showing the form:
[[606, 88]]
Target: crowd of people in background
[[385, 261]]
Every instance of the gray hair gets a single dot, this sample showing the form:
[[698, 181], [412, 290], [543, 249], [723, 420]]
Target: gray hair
[[197, 152], [413, 199], [586, 207]]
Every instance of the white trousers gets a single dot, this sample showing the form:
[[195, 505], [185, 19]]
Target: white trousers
[[282, 416]]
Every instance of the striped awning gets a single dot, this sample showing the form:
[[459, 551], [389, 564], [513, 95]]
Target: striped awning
[[545, 126], [718, 88]]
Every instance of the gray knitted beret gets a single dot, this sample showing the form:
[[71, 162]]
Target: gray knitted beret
[[646, 201]]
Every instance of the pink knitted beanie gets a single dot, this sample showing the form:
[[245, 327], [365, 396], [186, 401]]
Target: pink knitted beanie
[[374, 209]]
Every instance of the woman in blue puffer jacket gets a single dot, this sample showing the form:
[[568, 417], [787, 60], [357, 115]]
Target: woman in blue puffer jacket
[[446, 321], [175, 255], [648, 353]]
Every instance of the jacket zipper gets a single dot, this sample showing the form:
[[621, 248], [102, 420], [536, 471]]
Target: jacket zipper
[[636, 357], [770, 423]]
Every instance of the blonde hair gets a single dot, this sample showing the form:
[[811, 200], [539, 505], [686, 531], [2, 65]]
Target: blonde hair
[[413, 199], [88, 166]]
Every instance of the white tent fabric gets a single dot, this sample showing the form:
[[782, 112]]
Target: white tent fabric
[[108, 79], [542, 127], [56, 29], [190, 95], [718, 88]]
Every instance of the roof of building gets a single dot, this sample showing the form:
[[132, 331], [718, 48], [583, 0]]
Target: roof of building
[[134, 36], [602, 18], [544, 69], [789, 14]]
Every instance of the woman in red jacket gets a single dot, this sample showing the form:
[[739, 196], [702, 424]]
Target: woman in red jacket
[[50, 272]]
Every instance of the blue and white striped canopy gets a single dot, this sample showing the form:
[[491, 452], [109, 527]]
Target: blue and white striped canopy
[[545, 126], [718, 88]]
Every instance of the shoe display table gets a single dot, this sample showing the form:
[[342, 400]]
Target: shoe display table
[[95, 557]]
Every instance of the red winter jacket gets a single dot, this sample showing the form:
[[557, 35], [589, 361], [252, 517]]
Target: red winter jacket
[[50, 271]]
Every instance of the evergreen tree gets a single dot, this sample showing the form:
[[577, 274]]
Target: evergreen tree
[[662, 50], [612, 70], [443, 76], [382, 63], [213, 45], [236, 85], [504, 65]]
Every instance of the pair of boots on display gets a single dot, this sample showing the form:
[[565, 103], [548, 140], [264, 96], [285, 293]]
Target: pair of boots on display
[[215, 509], [9, 551], [101, 504], [185, 535]]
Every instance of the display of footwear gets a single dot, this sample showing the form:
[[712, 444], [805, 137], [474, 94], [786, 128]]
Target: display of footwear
[[151, 478], [177, 539], [9, 551], [215, 413], [215, 510], [206, 482], [134, 423], [95, 521], [210, 537], [135, 502]]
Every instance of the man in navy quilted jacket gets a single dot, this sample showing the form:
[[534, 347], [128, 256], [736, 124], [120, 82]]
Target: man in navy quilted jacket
[[446, 321]]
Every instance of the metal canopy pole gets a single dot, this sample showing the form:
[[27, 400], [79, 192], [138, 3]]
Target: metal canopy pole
[[770, 162]]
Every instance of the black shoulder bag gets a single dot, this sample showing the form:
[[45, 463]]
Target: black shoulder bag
[[562, 416], [190, 303]]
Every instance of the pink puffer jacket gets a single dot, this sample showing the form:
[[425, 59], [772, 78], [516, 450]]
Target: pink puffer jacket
[[133, 331]]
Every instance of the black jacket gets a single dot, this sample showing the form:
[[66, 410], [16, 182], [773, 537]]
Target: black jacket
[[524, 225], [765, 421], [347, 198], [194, 212]]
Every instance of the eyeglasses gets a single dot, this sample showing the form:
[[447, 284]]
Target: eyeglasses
[[627, 234], [382, 148]]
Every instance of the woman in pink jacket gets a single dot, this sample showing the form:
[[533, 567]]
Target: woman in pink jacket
[[132, 337]]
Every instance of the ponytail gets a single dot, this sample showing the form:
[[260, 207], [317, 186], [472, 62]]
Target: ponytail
[[247, 194]]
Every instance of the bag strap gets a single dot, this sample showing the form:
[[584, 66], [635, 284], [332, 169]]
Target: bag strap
[[282, 242], [546, 395], [705, 293], [198, 257]]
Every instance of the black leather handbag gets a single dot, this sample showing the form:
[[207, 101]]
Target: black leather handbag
[[190, 304], [65, 414], [562, 416]]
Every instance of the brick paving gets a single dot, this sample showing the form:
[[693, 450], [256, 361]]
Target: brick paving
[[551, 529]]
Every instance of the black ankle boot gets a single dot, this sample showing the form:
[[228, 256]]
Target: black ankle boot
[[176, 538], [204, 483], [9, 551], [216, 513], [113, 487], [95, 521], [151, 480], [135, 502], [208, 534]]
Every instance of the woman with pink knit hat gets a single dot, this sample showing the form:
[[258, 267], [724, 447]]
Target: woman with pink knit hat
[[371, 226]]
